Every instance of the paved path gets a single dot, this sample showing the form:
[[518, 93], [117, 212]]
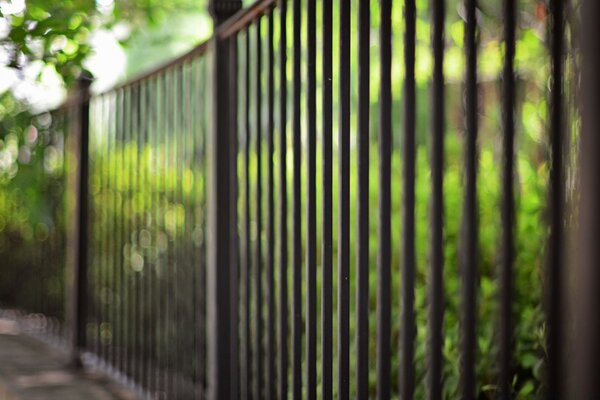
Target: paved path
[[32, 370]]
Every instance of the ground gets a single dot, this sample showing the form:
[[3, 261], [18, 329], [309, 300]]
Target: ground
[[33, 370]]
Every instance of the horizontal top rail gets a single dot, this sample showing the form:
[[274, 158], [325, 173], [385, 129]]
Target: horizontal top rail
[[236, 23], [243, 18], [198, 50]]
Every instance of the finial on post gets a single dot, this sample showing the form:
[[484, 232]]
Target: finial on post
[[220, 10], [85, 80]]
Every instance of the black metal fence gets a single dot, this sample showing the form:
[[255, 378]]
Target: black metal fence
[[147, 232], [249, 224]]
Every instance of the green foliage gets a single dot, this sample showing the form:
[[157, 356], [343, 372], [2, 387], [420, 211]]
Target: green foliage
[[57, 32], [54, 32], [32, 215], [55, 37]]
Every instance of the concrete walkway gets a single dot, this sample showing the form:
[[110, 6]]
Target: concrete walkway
[[32, 370]]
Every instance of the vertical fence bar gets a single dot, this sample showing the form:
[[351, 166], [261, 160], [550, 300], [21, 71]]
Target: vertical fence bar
[[116, 232], [112, 225], [362, 262], [155, 295], [470, 213], [233, 233], [79, 239], [60, 135], [94, 233], [123, 204], [408, 329], [196, 204], [222, 216], [140, 262], [384, 276], [192, 230], [166, 270], [186, 306], [247, 229], [146, 205], [283, 225], [161, 205], [119, 186], [327, 256], [157, 303], [150, 222], [178, 244], [122, 200], [586, 296], [436, 260], [105, 264], [344, 206], [271, 381], [297, 204], [124, 221], [259, 388], [62, 242], [311, 221], [200, 148], [129, 216], [183, 151], [183, 310], [506, 272], [136, 171], [174, 266], [554, 294]]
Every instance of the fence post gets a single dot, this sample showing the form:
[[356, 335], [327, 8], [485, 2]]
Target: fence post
[[584, 349], [78, 241], [221, 252]]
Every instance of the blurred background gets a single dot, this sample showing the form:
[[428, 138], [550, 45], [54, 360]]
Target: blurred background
[[45, 44]]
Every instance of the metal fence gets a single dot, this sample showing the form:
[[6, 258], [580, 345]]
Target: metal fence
[[147, 229], [244, 228]]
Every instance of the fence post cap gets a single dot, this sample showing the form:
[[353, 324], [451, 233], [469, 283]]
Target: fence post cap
[[85, 79], [220, 10]]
